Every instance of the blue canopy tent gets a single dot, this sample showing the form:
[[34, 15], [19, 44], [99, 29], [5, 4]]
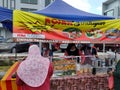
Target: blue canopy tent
[[61, 10], [6, 18]]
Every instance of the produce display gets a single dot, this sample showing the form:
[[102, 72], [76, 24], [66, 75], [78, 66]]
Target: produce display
[[64, 66]]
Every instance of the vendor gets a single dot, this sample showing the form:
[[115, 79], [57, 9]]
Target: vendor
[[72, 50], [94, 50], [90, 52], [46, 52], [86, 49]]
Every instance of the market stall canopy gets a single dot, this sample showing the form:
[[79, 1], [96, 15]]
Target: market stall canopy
[[6, 17], [61, 10], [35, 27]]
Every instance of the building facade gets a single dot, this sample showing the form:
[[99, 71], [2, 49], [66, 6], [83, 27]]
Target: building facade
[[25, 5], [111, 8]]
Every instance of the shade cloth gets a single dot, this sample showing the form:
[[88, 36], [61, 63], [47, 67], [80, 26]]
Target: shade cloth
[[61, 10], [6, 18]]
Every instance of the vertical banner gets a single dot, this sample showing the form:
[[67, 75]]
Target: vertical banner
[[9, 83]]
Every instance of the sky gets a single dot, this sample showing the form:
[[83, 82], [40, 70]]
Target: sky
[[91, 6]]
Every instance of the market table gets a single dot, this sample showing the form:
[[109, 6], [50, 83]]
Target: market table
[[81, 82]]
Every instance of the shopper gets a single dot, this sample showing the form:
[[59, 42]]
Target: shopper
[[116, 75], [35, 71]]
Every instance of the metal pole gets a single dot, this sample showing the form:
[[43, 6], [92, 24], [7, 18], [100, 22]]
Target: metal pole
[[103, 47], [40, 46]]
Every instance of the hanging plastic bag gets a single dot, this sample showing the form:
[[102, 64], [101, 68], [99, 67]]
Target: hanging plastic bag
[[111, 82]]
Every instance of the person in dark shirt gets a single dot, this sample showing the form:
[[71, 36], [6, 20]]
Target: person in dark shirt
[[72, 50], [93, 50]]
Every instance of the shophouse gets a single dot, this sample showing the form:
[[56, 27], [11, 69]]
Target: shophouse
[[111, 8]]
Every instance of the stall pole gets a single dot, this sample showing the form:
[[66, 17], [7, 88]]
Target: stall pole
[[40, 47], [103, 47]]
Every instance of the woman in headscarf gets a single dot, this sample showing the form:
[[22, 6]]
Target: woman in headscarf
[[35, 71]]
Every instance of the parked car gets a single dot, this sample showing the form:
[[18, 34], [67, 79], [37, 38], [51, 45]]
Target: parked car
[[1, 39], [14, 47]]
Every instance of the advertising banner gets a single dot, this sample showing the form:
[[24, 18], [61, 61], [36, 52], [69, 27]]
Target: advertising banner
[[35, 27]]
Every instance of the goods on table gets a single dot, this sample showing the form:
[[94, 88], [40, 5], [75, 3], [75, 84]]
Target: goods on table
[[84, 69], [64, 66], [70, 66]]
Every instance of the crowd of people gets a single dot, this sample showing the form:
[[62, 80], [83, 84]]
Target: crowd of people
[[35, 71], [85, 51]]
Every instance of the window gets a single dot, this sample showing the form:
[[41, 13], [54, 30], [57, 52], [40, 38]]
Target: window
[[109, 13], [47, 2], [29, 1], [1, 39], [118, 11], [12, 4], [28, 9]]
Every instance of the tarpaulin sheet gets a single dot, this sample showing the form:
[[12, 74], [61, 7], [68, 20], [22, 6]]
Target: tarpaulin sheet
[[33, 27]]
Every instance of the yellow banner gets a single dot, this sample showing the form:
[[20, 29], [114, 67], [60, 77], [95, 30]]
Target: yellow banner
[[35, 26]]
